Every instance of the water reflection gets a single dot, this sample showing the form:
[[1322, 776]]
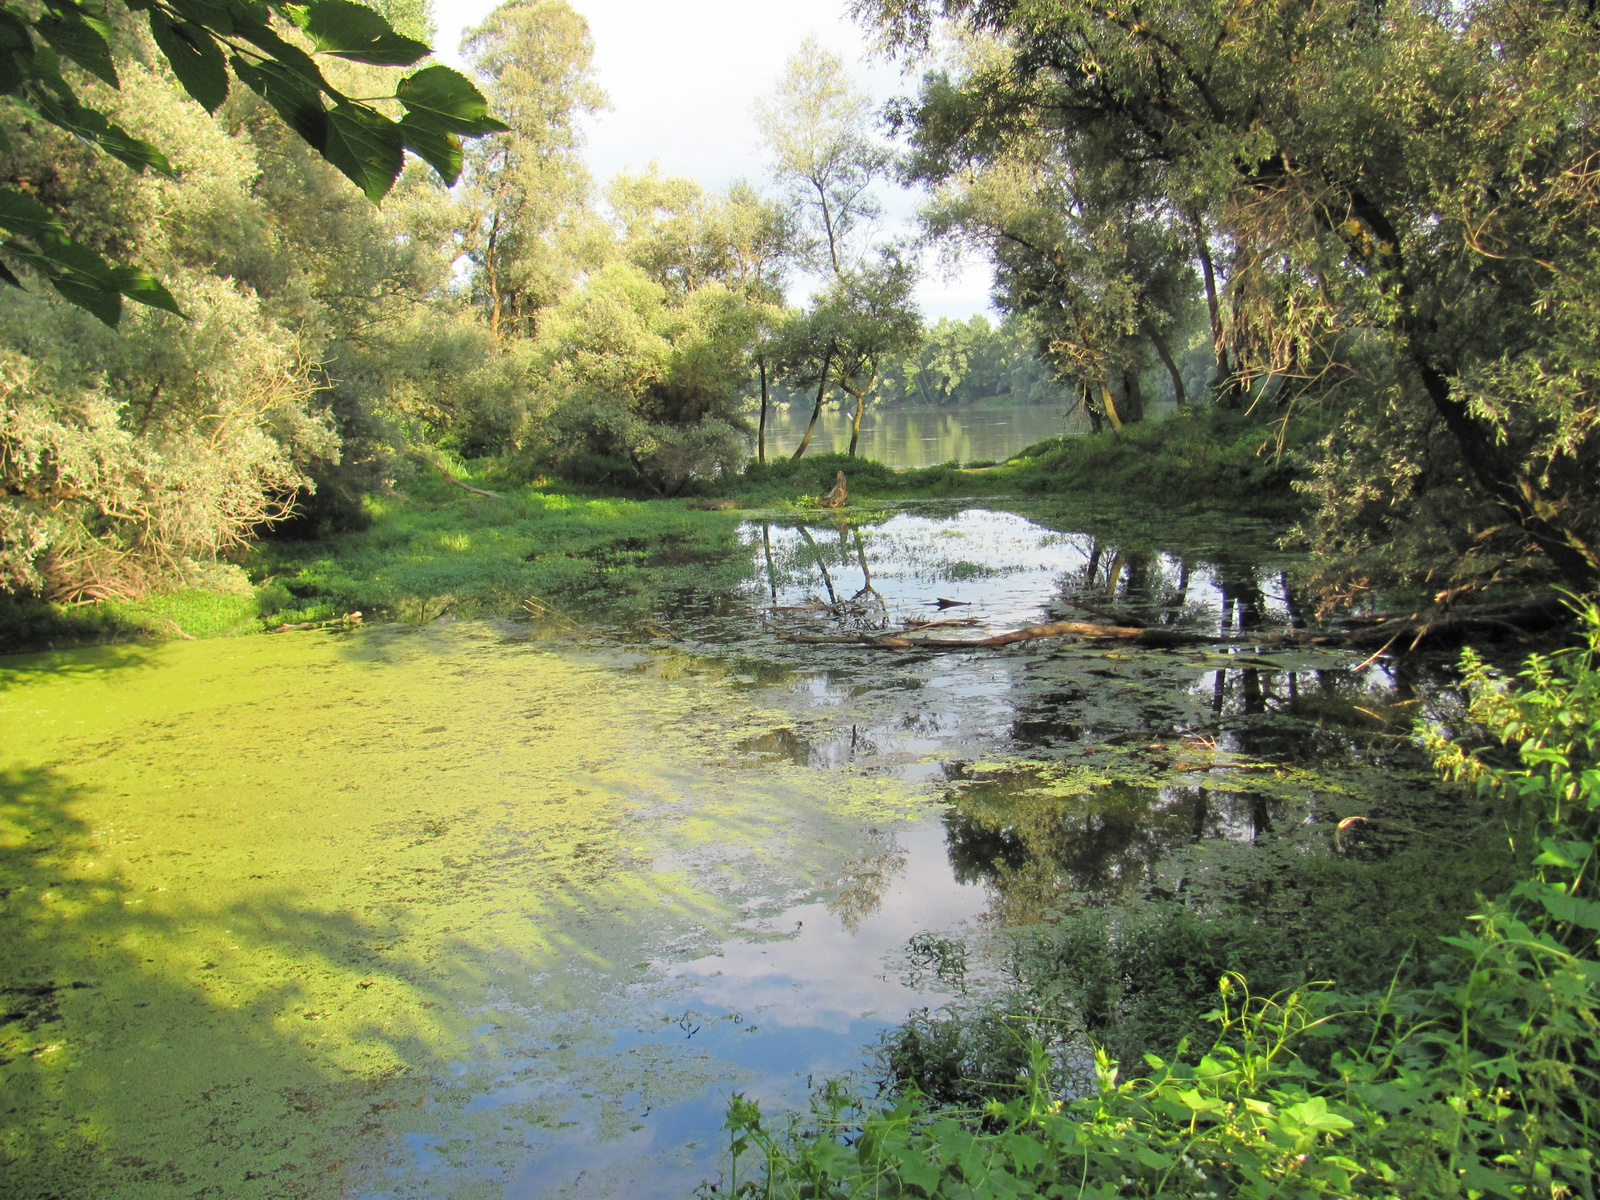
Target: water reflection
[[576, 895], [920, 437]]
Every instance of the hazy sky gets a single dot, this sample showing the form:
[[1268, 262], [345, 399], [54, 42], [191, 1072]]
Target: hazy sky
[[683, 77]]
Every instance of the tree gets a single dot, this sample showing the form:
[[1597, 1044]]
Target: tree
[[818, 128], [527, 186], [207, 43], [1406, 192], [871, 317]]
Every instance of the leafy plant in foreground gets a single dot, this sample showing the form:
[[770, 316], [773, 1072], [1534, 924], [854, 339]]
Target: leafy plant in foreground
[[207, 43]]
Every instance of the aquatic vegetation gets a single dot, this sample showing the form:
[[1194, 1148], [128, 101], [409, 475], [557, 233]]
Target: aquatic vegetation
[[1480, 1078]]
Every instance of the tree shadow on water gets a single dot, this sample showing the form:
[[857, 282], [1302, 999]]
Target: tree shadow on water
[[161, 1046]]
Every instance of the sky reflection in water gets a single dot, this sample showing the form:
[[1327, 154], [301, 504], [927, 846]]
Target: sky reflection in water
[[712, 883]]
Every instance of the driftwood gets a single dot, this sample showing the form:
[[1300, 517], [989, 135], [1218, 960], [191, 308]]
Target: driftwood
[[838, 497], [451, 479], [344, 622], [1160, 638]]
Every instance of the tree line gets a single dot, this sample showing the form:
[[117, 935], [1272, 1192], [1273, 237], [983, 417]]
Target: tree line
[[1388, 212], [1381, 214]]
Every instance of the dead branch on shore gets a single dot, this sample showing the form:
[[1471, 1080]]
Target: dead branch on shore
[[449, 478], [348, 621]]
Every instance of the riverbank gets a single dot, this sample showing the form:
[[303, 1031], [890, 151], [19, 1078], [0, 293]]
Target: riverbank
[[1170, 1053], [432, 548]]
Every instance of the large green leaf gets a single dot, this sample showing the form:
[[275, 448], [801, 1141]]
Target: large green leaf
[[445, 99], [297, 101], [24, 216], [92, 126], [146, 289], [195, 57], [366, 146], [77, 39], [440, 148], [223, 17], [356, 32], [105, 303]]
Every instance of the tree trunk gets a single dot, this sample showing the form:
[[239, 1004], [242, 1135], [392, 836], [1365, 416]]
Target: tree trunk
[[1086, 402], [1513, 493], [855, 423], [816, 412], [1111, 408], [1132, 396], [1224, 389], [1179, 394], [761, 430]]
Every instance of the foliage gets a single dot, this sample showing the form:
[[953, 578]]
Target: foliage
[[206, 44], [1482, 1081], [817, 126], [970, 362], [1392, 208], [134, 458], [526, 225]]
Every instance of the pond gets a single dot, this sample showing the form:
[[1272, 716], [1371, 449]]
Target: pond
[[487, 909], [919, 437]]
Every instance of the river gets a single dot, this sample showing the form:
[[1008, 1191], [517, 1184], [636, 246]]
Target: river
[[919, 437], [476, 909]]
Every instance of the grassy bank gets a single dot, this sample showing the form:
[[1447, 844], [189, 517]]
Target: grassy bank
[[430, 551], [1199, 457], [431, 548]]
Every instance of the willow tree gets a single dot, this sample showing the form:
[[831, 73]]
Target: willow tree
[[826, 154], [527, 188], [1408, 197]]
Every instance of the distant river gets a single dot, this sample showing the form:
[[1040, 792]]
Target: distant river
[[919, 437]]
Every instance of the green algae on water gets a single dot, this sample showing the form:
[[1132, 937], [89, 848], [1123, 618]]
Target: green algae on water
[[272, 908]]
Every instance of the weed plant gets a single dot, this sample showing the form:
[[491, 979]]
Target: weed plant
[[1477, 1077]]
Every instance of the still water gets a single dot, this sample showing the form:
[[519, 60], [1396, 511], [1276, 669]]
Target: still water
[[920, 437], [485, 910]]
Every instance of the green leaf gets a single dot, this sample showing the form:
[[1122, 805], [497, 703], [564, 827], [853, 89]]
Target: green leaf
[[20, 214], [367, 147], [445, 99], [195, 57], [1313, 1114], [225, 17], [296, 101], [440, 149], [75, 38], [92, 126], [1572, 909], [16, 52], [146, 289], [105, 303], [356, 32]]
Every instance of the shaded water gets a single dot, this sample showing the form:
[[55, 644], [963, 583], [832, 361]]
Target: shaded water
[[919, 437], [481, 910]]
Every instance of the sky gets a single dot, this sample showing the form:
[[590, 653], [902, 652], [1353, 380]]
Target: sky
[[683, 78]]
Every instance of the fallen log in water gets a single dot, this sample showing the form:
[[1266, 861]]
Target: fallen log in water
[[1161, 638], [1396, 633]]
